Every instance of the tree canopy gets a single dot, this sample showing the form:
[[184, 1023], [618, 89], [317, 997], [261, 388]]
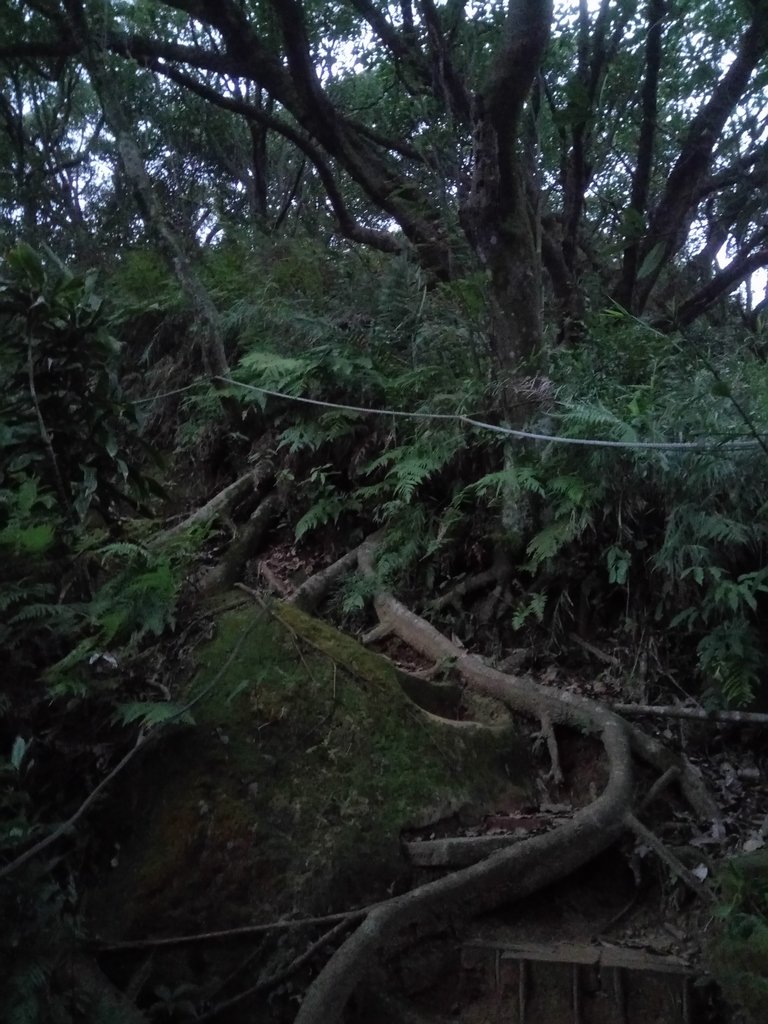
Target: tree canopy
[[610, 152]]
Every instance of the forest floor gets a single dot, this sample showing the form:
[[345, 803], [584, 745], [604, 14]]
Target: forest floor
[[311, 785]]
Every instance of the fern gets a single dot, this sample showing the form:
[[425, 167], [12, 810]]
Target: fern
[[15, 593], [151, 713], [533, 608], [730, 660], [326, 429], [553, 538], [325, 510], [409, 467]]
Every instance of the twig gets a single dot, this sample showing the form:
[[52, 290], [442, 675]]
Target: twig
[[232, 933], [609, 659], [143, 738], [264, 984]]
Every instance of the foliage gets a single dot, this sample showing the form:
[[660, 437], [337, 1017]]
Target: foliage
[[74, 600], [62, 416], [636, 539], [738, 951]]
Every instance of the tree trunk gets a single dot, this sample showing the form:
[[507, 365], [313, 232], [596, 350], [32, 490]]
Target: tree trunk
[[501, 227]]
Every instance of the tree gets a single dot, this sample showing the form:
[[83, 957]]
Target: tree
[[542, 148]]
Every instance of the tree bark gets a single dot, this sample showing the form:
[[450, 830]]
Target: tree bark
[[641, 179], [497, 217]]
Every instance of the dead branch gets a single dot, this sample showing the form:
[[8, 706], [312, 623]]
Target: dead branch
[[675, 865], [467, 586], [227, 934], [609, 659], [695, 714]]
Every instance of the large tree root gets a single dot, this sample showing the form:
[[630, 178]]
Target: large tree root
[[247, 541], [314, 590], [508, 874], [249, 483]]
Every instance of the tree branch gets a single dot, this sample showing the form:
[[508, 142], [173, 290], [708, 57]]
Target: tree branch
[[447, 85], [348, 226], [672, 216], [527, 34], [645, 150], [399, 45], [733, 274]]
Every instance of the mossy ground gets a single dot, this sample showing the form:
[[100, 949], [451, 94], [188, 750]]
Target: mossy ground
[[290, 791]]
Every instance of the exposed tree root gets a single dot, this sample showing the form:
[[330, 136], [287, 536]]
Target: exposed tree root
[[104, 1000], [252, 481], [508, 874], [513, 871], [441, 699], [505, 876], [456, 851], [470, 585], [247, 541], [274, 584], [669, 776], [271, 981], [692, 786], [314, 590], [466, 725], [382, 1007], [664, 854], [547, 734]]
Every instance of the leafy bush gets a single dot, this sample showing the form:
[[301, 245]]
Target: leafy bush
[[70, 595]]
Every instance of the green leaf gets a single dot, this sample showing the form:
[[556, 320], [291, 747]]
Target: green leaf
[[153, 713]]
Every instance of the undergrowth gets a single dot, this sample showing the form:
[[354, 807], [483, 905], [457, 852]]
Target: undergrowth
[[78, 596], [629, 540]]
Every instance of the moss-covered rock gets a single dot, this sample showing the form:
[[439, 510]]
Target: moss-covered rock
[[290, 791]]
